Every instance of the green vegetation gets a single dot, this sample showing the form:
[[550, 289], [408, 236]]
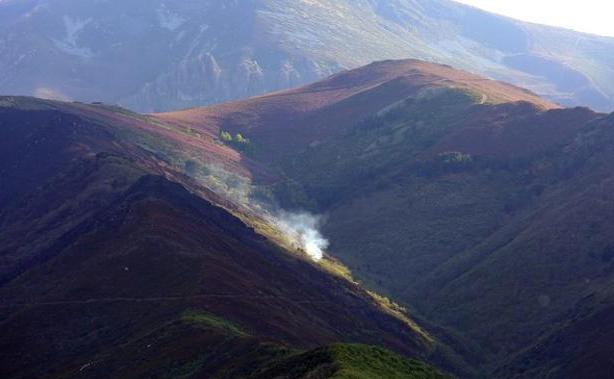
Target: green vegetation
[[348, 361], [238, 139], [207, 320], [225, 136], [366, 362]]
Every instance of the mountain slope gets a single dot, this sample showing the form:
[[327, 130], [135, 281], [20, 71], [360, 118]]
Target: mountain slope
[[580, 349], [162, 55], [285, 121], [488, 218], [108, 247]]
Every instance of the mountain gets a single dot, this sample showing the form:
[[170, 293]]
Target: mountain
[[178, 244], [158, 55], [479, 206], [326, 109], [115, 261]]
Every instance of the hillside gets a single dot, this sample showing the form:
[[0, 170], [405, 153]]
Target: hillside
[[282, 122], [479, 207], [160, 55], [113, 259], [579, 349]]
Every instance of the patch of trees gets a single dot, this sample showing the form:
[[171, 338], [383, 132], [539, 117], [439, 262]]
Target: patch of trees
[[238, 140]]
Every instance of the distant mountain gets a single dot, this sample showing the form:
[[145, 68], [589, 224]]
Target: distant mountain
[[153, 55], [116, 259], [480, 206]]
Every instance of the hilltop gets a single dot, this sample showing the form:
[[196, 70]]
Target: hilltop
[[285, 121]]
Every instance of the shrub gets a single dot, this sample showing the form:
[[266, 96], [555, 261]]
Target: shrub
[[225, 136], [240, 139]]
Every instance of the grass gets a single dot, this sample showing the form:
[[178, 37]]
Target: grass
[[209, 321], [347, 361], [367, 362], [399, 312]]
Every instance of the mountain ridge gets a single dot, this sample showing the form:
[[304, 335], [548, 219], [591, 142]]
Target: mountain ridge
[[338, 98]]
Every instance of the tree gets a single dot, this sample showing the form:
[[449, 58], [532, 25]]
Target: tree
[[225, 136], [240, 139]]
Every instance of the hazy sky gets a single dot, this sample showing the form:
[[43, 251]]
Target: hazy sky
[[591, 16]]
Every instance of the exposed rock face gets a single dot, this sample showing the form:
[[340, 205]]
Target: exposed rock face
[[160, 55]]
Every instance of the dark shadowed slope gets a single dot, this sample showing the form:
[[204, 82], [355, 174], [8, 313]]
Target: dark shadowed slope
[[160, 55], [156, 252], [581, 349], [110, 266], [485, 210]]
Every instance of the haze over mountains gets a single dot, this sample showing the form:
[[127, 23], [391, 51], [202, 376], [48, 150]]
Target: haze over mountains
[[159, 55]]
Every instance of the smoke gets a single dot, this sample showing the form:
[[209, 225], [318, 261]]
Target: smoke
[[303, 230], [300, 228]]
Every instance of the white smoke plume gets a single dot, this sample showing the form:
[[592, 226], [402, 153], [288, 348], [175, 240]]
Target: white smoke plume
[[303, 229]]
